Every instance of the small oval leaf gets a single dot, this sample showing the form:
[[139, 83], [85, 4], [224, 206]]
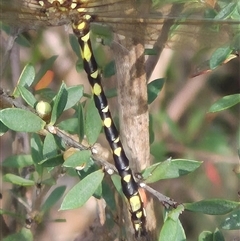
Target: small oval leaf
[[26, 79], [59, 103], [75, 93], [219, 56], [172, 231], [78, 158], [93, 124], [17, 180], [21, 120], [153, 89], [170, 169], [225, 103], [27, 96], [212, 206], [81, 192]]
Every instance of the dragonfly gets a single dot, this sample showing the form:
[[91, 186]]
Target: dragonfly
[[135, 24]]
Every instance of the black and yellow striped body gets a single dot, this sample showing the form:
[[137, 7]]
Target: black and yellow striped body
[[81, 27], [129, 185]]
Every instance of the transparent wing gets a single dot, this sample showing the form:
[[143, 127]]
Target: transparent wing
[[144, 20]]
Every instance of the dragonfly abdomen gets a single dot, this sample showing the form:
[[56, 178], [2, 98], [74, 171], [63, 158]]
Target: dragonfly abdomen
[[129, 185]]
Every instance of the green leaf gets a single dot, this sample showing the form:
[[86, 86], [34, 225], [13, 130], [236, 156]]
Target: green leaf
[[81, 192], [110, 93], [116, 179], [23, 235], [11, 214], [36, 148], [75, 45], [44, 68], [172, 231], [53, 198], [79, 65], [78, 158], [108, 194], [226, 11], [26, 79], [218, 236], [153, 89], [232, 221], [75, 93], [102, 31], [52, 161], [212, 206], [109, 69], [14, 179], [169, 169], [21, 120], [206, 236], [81, 122], [3, 129], [93, 124], [98, 193], [46, 94], [225, 103], [219, 56], [59, 104], [27, 96], [49, 146], [70, 125], [23, 41], [236, 42], [18, 161], [151, 130]]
